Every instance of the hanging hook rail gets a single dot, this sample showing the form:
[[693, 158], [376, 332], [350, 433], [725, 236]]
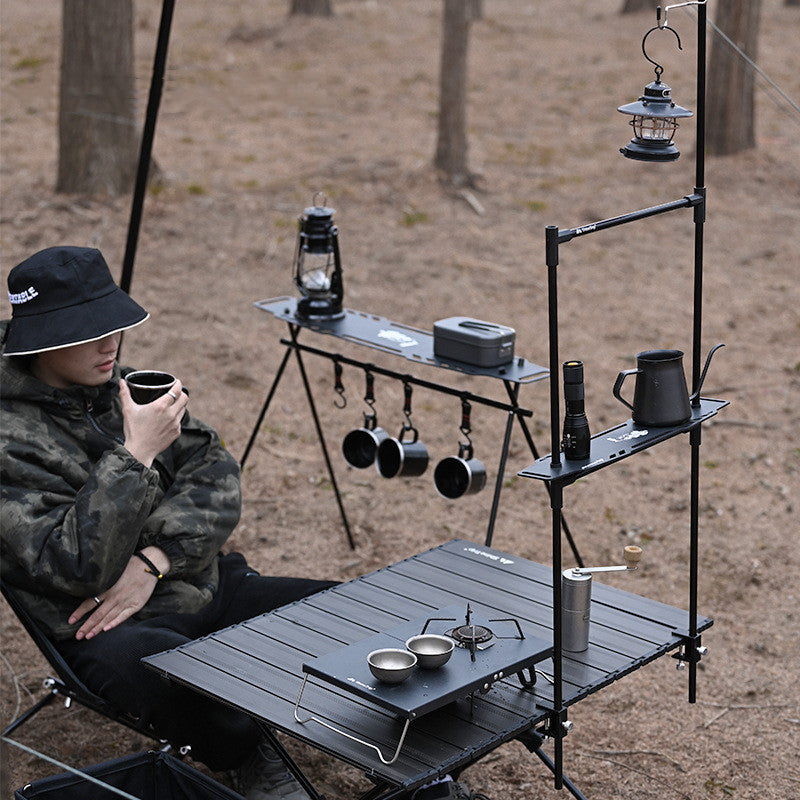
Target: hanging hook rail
[[409, 379]]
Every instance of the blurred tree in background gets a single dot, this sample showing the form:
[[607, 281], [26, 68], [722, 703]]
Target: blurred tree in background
[[451, 143], [313, 8], [730, 103], [631, 6], [97, 142]]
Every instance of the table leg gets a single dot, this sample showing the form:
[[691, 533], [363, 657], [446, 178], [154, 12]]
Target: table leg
[[324, 723], [297, 773]]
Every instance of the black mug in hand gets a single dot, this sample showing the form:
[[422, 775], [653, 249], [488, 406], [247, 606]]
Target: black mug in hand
[[147, 385]]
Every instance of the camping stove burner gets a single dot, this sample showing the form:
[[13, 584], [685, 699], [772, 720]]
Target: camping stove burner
[[469, 635], [474, 637]]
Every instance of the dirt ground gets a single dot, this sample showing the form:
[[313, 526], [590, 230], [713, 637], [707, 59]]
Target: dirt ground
[[259, 112]]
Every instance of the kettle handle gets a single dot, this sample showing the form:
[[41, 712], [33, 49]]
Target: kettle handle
[[695, 398], [618, 385]]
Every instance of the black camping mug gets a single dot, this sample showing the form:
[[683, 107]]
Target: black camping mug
[[456, 476], [398, 458], [360, 446], [147, 385], [660, 396]]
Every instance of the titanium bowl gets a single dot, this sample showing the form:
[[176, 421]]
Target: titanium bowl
[[391, 664], [431, 650]]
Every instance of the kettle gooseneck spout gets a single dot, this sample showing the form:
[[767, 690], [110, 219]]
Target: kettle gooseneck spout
[[695, 398]]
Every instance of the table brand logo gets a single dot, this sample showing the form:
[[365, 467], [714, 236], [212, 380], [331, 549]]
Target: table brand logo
[[627, 437], [490, 556], [361, 684], [399, 338]]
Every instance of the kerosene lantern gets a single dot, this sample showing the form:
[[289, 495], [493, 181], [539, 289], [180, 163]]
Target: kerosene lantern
[[317, 267]]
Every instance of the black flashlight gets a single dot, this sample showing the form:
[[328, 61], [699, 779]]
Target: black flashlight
[[575, 442]]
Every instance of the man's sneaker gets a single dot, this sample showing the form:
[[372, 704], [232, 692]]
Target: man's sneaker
[[448, 790], [264, 776]]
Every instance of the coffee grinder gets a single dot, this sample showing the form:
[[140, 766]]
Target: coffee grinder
[[576, 599]]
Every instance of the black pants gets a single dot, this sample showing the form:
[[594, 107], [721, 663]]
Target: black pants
[[110, 664]]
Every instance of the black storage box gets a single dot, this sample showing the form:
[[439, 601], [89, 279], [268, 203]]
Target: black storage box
[[472, 341], [147, 776]]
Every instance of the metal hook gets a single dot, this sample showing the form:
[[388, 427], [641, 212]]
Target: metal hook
[[659, 27], [408, 390], [466, 425], [676, 5], [338, 385], [369, 393], [465, 449]]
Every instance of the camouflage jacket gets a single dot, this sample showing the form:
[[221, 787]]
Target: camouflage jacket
[[76, 504]]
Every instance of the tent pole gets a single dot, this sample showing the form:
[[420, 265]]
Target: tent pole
[[156, 86]]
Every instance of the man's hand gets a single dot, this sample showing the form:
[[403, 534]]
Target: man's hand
[[150, 429], [127, 596]]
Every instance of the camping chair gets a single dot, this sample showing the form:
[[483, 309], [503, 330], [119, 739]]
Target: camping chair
[[67, 684]]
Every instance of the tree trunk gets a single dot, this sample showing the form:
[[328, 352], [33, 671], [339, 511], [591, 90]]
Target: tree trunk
[[631, 6], [731, 87], [451, 145], [475, 9], [96, 126], [312, 8]]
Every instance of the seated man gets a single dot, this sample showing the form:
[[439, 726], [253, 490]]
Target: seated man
[[113, 514]]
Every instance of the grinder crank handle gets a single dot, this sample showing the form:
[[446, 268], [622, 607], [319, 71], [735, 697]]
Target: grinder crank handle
[[632, 555]]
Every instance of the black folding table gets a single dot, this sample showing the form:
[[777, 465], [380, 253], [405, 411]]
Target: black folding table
[[258, 666]]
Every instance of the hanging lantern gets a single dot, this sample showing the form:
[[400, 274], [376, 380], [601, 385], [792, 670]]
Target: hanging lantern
[[655, 115], [655, 120], [317, 268]]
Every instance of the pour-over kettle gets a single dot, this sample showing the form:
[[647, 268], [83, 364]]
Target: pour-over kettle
[[660, 396]]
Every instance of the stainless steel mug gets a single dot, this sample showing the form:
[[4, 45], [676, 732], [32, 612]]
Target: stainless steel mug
[[360, 446], [456, 476], [396, 457]]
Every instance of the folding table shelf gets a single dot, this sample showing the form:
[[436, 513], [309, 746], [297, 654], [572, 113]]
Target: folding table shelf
[[415, 345], [411, 343], [617, 443]]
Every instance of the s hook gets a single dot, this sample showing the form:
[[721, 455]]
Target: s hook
[[338, 385], [659, 27]]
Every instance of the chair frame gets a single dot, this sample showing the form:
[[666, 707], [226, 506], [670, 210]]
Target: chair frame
[[66, 683]]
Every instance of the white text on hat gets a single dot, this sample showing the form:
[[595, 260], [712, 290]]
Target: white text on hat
[[22, 297]]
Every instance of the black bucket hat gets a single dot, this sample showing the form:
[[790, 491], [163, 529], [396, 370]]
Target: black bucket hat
[[64, 296]]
